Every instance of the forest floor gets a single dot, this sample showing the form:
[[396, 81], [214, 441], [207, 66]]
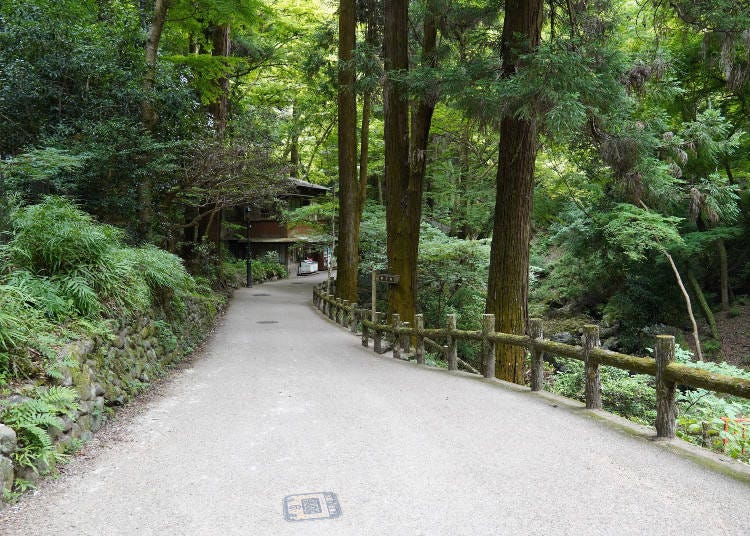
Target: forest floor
[[735, 335]]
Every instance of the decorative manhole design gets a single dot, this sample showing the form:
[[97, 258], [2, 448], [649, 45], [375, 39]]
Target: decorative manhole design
[[267, 322], [307, 506], [261, 294]]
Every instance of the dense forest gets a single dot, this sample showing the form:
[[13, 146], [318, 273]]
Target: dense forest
[[581, 161]]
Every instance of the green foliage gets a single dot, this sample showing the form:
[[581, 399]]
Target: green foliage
[[267, 267], [631, 396], [636, 231], [55, 237], [36, 171], [32, 419], [451, 276], [62, 274], [702, 415]]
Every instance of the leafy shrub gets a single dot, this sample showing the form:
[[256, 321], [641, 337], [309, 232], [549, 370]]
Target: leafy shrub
[[702, 415], [631, 396], [55, 237], [62, 274], [32, 420], [268, 266]]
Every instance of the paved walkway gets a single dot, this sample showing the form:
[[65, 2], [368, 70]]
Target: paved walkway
[[298, 406]]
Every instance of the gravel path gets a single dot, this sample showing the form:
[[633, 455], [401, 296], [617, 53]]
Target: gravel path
[[271, 410]]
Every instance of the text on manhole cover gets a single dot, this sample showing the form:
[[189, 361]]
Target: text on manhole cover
[[306, 506]]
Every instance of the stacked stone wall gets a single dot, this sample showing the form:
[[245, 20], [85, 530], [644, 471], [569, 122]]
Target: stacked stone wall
[[109, 372]]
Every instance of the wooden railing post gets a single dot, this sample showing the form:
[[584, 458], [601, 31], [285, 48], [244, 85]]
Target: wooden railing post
[[536, 331], [396, 323], [374, 296], [331, 308], [488, 347], [339, 310], [419, 349], [666, 409], [353, 319], [365, 333], [451, 355], [593, 382], [405, 340], [377, 337], [345, 313]]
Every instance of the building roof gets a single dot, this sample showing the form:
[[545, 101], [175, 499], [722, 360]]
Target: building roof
[[304, 184], [288, 240]]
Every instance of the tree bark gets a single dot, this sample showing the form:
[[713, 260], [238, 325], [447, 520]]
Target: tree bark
[[153, 37], [424, 107], [294, 149], [349, 190], [364, 152], [222, 46], [403, 242], [370, 39], [403, 199], [724, 274], [688, 305], [149, 117], [508, 281], [707, 312]]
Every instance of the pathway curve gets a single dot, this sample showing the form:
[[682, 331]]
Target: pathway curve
[[275, 409]]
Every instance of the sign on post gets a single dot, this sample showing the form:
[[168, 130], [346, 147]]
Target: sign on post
[[391, 279], [377, 277]]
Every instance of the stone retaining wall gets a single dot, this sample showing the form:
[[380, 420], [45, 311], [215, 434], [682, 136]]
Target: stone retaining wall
[[109, 373]]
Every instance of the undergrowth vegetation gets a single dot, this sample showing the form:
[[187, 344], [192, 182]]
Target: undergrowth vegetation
[[63, 276], [268, 267], [452, 280], [706, 418], [32, 419]]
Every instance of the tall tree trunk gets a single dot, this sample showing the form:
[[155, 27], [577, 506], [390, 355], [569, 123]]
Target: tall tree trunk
[[685, 296], [222, 46], [403, 203], [508, 281], [364, 154], [153, 37], [364, 151], [688, 305], [424, 106], [294, 149], [349, 190], [149, 117], [403, 245], [707, 312], [724, 274]]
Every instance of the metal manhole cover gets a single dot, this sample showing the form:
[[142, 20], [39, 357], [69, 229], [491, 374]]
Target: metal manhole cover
[[261, 294], [306, 506], [267, 322]]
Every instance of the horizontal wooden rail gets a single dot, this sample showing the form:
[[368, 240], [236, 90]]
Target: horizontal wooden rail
[[668, 374]]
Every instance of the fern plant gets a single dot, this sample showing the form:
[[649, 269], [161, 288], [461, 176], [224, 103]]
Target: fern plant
[[32, 420]]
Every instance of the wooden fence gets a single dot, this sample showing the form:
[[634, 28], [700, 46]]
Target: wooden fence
[[400, 334]]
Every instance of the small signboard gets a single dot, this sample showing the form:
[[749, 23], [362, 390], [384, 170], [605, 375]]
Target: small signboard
[[321, 505], [391, 279]]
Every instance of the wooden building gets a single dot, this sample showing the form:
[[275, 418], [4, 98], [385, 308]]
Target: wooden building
[[292, 243]]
